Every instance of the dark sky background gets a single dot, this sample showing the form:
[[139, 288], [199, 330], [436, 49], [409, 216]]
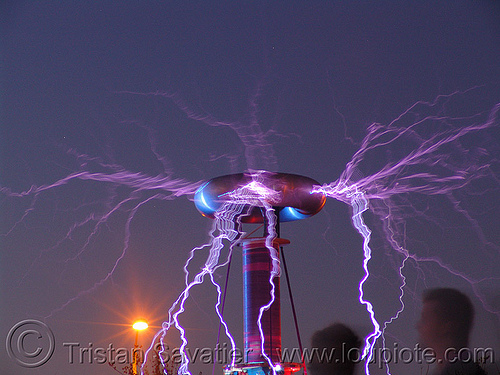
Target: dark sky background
[[299, 83]]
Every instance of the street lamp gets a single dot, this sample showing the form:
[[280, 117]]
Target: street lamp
[[139, 325]]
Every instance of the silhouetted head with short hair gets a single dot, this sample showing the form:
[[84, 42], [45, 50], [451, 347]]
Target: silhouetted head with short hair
[[334, 350], [445, 325], [449, 313]]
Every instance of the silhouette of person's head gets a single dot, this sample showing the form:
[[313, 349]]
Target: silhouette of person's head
[[337, 351], [446, 319], [445, 325]]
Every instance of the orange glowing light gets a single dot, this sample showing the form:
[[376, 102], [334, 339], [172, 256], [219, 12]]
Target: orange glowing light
[[140, 325]]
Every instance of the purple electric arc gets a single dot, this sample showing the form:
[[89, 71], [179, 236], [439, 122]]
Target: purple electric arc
[[291, 197]]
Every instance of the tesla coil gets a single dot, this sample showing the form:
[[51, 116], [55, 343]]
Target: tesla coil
[[292, 199]]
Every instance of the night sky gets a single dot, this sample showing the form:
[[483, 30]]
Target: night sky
[[180, 92]]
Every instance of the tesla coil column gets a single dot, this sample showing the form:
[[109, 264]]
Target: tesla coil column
[[292, 199], [257, 267]]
